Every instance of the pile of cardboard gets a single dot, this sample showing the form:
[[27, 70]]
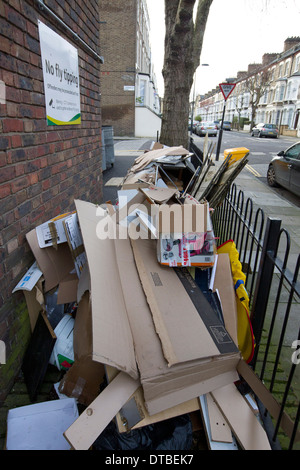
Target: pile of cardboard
[[142, 321]]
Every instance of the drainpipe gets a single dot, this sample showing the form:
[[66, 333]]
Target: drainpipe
[[75, 36]]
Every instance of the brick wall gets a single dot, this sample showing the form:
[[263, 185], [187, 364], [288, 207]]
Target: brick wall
[[118, 46], [42, 168]]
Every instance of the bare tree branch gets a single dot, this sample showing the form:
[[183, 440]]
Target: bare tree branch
[[200, 25]]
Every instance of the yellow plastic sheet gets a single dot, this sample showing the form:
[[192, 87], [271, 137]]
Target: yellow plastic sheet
[[246, 341]]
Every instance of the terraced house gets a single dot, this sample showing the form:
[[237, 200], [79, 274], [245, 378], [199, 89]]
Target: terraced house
[[129, 96], [268, 92]]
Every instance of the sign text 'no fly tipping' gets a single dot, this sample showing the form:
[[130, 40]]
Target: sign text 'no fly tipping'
[[61, 78]]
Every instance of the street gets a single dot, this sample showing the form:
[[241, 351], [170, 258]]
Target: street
[[261, 152]]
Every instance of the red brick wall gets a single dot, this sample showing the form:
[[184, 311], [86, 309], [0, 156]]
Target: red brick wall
[[42, 168]]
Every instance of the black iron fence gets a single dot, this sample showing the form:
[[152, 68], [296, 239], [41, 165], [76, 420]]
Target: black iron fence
[[274, 294]]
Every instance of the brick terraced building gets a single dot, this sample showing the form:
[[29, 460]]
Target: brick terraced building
[[129, 97], [43, 167]]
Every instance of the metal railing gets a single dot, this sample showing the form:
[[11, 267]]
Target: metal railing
[[274, 296]]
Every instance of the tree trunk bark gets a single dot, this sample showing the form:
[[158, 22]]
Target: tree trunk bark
[[183, 44]]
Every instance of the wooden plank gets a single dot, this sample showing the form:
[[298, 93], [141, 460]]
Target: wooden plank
[[90, 424], [220, 431], [243, 422], [214, 445], [267, 398]]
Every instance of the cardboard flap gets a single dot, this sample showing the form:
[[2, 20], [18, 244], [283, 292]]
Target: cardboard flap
[[184, 218], [145, 159], [159, 195], [55, 264], [67, 290], [112, 338]]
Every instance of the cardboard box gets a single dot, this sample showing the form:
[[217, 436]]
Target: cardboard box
[[146, 325], [55, 264], [63, 352], [83, 380], [183, 231], [59, 254], [52, 232], [185, 238], [31, 285], [74, 239]]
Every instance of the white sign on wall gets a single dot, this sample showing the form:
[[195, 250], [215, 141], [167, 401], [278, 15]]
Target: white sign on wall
[[61, 78]]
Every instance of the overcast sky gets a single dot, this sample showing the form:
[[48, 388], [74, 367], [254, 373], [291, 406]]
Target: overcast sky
[[238, 32]]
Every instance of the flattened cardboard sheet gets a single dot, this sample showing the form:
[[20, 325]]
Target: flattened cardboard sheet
[[164, 386], [174, 313], [112, 339], [123, 326], [222, 282]]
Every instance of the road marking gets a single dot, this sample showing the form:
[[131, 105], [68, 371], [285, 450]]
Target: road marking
[[128, 153], [254, 172], [258, 153], [114, 181]]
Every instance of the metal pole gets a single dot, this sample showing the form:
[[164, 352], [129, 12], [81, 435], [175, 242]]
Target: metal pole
[[192, 117], [264, 279], [220, 133], [193, 106]]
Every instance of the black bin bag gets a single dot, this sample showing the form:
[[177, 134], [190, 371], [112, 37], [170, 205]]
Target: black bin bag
[[172, 434]]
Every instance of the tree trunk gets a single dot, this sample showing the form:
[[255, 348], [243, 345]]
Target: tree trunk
[[183, 44]]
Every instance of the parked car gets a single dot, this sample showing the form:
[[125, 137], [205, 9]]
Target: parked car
[[265, 130], [284, 169], [204, 128], [217, 123], [192, 128], [226, 125]]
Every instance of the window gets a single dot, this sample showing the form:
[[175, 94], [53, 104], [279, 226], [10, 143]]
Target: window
[[273, 74], [286, 68], [297, 64], [284, 117], [281, 93], [290, 116], [142, 92], [293, 152]]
